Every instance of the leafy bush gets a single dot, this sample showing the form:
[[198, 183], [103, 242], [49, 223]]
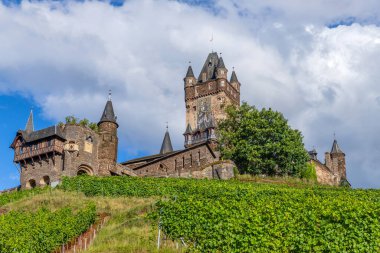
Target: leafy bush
[[309, 172], [42, 231]]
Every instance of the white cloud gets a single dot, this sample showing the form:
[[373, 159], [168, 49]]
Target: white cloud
[[67, 56]]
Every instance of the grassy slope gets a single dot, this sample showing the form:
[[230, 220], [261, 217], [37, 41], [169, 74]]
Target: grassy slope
[[127, 230]]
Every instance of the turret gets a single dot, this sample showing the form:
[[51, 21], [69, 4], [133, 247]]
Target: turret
[[234, 81], [338, 160], [221, 71], [189, 79], [313, 154], [188, 136], [107, 153]]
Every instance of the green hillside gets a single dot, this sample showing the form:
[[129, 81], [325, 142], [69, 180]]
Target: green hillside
[[196, 216]]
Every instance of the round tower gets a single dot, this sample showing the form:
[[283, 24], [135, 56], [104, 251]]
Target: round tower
[[107, 150]]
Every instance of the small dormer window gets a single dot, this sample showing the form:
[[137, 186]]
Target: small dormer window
[[191, 81], [222, 72], [222, 83], [209, 86]]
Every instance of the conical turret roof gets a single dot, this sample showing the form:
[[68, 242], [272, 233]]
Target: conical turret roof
[[234, 78], [335, 149], [166, 146], [108, 113], [30, 124], [190, 72]]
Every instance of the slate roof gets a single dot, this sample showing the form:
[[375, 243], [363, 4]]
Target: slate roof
[[52, 131], [234, 77], [190, 72], [30, 125], [108, 113], [209, 67], [313, 154], [335, 149], [221, 63], [188, 129], [166, 146]]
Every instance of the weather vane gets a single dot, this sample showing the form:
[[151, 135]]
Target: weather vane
[[109, 95]]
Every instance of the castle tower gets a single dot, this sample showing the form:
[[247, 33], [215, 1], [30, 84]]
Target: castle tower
[[107, 153], [206, 99], [338, 161], [166, 146]]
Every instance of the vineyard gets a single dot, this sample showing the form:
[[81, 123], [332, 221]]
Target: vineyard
[[43, 230], [231, 216]]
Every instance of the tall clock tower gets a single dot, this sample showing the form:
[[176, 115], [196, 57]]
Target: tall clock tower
[[206, 99]]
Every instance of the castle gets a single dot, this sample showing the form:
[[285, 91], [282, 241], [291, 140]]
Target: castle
[[45, 156]]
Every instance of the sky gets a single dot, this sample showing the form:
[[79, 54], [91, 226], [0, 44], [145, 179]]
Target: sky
[[314, 61]]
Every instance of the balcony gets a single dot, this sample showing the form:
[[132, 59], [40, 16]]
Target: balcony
[[38, 152]]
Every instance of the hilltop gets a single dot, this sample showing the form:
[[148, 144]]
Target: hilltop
[[197, 216]]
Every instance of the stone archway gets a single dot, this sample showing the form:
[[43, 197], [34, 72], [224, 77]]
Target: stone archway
[[85, 170], [30, 184], [45, 180]]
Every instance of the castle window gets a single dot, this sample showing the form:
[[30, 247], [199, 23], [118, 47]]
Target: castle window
[[191, 81], [194, 108], [222, 83], [209, 86], [191, 159], [222, 72], [183, 161], [203, 77]]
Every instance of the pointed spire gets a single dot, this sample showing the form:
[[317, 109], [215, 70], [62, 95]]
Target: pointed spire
[[190, 72], [166, 146], [335, 148], [221, 63], [234, 77], [108, 113], [30, 124], [188, 129]]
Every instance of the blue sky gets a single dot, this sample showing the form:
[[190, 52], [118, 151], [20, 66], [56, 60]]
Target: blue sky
[[317, 62]]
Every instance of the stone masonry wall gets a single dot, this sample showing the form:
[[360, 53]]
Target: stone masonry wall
[[80, 150], [324, 176], [107, 148], [183, 164], [50, 168]]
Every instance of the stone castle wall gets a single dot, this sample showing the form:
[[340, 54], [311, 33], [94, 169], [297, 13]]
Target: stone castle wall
[[80, 155], [181, 164]]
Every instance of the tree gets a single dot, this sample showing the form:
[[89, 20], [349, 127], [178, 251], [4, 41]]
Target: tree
[[261, 142]]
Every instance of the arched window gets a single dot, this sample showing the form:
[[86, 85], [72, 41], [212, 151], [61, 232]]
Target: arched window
[[45, 180], [31, 184], [85, 170]]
